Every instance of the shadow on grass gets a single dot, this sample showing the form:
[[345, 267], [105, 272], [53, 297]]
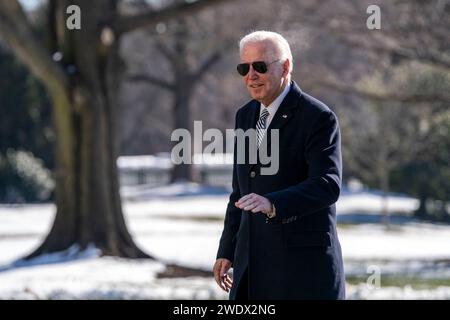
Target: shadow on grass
[[71, 254]]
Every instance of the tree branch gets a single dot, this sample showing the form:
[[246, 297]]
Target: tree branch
[[151, 79], [384, 96], [131, 23], [404, 41], [207, 64], [16, 30], [166, 52], [438, 60]]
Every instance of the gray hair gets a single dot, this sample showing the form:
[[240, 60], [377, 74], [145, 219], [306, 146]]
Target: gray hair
[[280, 44]]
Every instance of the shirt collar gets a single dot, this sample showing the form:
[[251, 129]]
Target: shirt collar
[[273, 107]]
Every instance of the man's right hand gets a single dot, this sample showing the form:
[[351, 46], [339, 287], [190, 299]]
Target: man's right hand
[[221, 276]]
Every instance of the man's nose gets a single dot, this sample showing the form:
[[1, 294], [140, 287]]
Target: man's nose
[[252, 74]]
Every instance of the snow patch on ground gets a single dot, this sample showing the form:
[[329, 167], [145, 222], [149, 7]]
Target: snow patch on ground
[[184, 226]]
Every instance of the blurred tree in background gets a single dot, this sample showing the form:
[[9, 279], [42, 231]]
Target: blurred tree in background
[[427, 175], [191, 58], [25, 125], [391, 89]]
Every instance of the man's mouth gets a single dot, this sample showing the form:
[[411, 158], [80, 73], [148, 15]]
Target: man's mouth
[[254, 86]]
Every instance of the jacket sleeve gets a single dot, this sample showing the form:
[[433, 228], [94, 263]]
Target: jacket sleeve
[[322, 187], [233, 214]]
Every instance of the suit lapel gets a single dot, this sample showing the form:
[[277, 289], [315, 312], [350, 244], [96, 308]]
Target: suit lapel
[[284, 112], [253, 116], [250, 123]]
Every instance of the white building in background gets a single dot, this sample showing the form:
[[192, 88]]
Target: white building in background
[[154, 170]]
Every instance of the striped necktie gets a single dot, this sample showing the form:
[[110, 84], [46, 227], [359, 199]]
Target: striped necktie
[[261, 125]]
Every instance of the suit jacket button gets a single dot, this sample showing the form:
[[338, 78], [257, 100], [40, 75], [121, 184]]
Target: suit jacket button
[[253, 174]]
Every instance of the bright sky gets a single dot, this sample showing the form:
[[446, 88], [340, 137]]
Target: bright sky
[[30, 4]]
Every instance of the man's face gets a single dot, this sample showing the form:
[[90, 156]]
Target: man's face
[[264, 87]]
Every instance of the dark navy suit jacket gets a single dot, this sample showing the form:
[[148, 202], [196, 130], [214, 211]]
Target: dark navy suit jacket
[[297, 254]]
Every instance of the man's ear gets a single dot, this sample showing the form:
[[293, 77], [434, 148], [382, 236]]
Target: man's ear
[[286, 67]]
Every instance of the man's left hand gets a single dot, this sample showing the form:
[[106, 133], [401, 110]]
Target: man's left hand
[[254, 203]]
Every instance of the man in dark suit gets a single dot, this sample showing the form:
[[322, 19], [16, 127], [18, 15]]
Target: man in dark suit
[[279, 231]]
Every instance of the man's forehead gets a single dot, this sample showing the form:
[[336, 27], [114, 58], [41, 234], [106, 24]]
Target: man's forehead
[[262, 49]]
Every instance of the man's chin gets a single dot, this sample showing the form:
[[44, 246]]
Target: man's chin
[[256, 97]]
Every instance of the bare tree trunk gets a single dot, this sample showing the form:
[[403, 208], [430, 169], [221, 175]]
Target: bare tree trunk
[[385, 214], [383, 163], [183, 92], [422, 211]]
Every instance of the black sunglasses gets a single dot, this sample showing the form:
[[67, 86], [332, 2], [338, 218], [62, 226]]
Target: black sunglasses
[[258, 66]]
